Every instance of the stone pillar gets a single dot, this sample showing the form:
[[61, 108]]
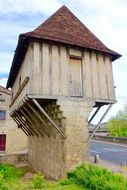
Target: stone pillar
[[55, 156], [76, 130]]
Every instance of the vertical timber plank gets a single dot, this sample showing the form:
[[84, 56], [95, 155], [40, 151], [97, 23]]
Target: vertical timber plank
[[94, 76], [103, 86], [110, 82], [30, 68], [41, 69], [64, 72], [88, 75], [55, 70], [36, 67], [45, 69]]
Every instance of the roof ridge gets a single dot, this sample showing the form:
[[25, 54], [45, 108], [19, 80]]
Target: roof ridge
[[51, 16]]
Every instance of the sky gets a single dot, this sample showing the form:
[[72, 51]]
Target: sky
[[107, 19]]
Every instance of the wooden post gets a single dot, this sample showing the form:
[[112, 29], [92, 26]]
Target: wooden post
[[94, 114], [102, 118], [96, 159]]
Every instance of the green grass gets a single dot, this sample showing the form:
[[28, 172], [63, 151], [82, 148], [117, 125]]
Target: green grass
[[14, 179], [20, 185], [84, 177]]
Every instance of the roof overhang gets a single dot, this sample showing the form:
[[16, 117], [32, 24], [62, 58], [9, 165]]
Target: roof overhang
[[23, 44]]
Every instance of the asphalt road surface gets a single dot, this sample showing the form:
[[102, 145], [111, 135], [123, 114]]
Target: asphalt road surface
[[109, 152]]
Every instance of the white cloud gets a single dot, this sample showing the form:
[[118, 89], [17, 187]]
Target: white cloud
[[6, 60], [21, 6], [3, 82]]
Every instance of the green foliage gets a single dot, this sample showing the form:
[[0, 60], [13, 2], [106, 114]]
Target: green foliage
[[3, 185], [65, 182], [117, 127], [96, 178], [38, 180], [10, 172]]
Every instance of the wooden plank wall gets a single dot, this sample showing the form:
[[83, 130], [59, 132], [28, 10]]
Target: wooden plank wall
[[51, 72], [25, 71], [47, 66]]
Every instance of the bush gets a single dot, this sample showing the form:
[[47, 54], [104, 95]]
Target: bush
[[2, 183], [117, 127], [97, 178], [38, 180], [65, 182], [10, 172]]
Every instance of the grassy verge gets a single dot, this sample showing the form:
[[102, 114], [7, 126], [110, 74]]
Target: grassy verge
[[14, 180], [84, 177]]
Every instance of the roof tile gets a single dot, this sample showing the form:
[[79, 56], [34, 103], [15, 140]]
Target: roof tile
[[63, 26]]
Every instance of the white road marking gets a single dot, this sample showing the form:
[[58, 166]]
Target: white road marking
[[101, 150], [110, 150], [94, 151], [119, 150]]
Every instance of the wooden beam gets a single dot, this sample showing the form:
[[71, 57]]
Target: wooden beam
[[24, 130], [49, 118], [28, 132], [24, 124], [94, 114], [20, 89], [32, 118], [51, 98], [100, 121], [20, 125], [39, 117], [25, 127], [29, 121]]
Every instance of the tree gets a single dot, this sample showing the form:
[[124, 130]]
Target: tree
[[117, 125]]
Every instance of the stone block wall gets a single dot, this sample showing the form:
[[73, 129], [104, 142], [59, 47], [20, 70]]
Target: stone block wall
[[16, 140], [55, 155], [76, 130]]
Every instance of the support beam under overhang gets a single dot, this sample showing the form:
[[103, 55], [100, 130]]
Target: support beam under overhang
[[48, 117], [100, 121]]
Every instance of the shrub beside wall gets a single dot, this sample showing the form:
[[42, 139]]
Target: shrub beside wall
[[92, 177], [118, 127]]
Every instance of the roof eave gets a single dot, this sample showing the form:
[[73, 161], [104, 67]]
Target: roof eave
[[18, 58], [22, 48]]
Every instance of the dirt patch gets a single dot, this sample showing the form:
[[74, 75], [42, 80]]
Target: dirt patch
[[27, 177]]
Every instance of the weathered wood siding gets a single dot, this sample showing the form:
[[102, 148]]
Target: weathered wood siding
[[26, 70], [48, 67]]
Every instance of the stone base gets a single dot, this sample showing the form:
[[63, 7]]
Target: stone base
[[56, 155]]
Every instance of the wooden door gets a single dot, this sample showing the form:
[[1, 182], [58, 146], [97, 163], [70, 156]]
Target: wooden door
[[2, 142], [75, 83]]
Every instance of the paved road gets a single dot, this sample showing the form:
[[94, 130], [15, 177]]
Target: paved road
[[109, 152]]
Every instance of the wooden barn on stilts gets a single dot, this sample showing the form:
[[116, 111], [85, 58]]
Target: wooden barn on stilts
[[60, 71]]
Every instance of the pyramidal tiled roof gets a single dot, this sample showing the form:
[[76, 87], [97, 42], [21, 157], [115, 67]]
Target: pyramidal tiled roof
[[62, 27]]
